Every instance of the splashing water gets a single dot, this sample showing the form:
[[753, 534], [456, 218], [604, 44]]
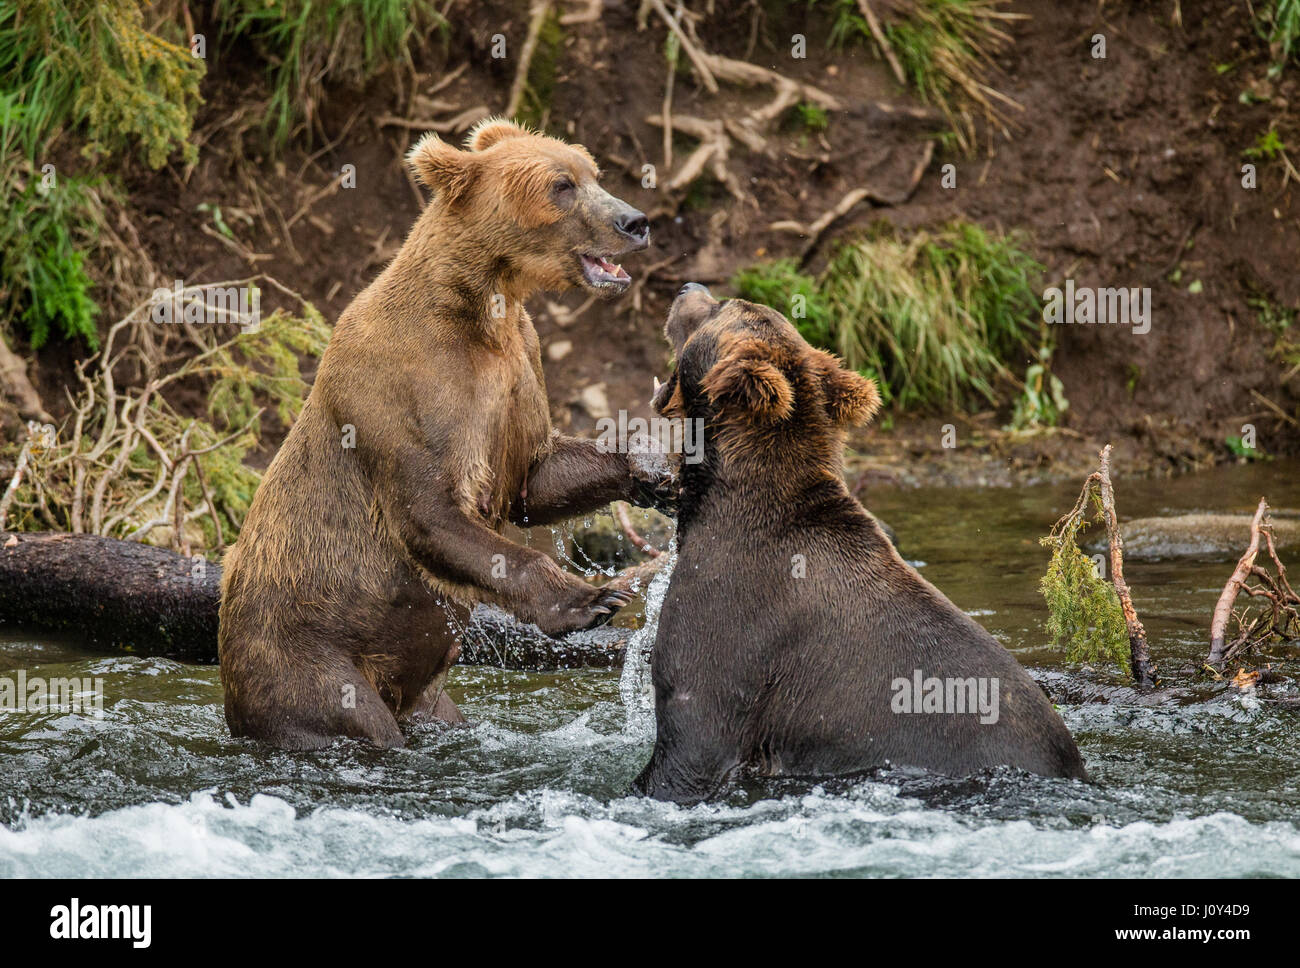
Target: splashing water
[[1199, 784], [634, 685]]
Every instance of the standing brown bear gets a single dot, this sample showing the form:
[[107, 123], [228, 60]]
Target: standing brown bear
[[793, 640], [377, 524]]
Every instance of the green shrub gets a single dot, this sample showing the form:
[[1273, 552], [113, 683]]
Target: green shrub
[[935, 318], [91, 63], [305, 42]]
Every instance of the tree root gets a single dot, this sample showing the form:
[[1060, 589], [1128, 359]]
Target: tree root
[[813, 230], [1283, 616], [15, 385]]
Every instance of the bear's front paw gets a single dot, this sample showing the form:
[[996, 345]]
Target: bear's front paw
[[651, 480], [587, 607]]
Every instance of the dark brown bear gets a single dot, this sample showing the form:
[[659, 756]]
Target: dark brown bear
[[377, 524], [793, 637]]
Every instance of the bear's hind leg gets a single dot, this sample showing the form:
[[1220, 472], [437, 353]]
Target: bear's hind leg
[[327, 702], [434, 705]]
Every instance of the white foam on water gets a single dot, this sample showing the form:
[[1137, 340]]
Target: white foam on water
[[553, 833]]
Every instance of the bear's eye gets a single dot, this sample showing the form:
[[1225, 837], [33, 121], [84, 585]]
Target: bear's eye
[[563, 185]]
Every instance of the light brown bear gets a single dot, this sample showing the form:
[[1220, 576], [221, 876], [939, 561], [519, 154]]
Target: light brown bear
[[377, 524]]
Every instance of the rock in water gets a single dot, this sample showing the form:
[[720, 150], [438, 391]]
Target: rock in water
[[1197, 535]]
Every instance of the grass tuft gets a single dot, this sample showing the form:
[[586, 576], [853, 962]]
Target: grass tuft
[[306, 42], [935, 319]]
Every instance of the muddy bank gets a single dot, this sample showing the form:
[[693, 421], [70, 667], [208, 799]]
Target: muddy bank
[[1123, 171]]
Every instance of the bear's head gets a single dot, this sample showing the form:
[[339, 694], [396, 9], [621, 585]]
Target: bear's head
[[769, 400], [533, 202]]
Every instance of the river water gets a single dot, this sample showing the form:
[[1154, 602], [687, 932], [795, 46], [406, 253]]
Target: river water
[[1197, 780]]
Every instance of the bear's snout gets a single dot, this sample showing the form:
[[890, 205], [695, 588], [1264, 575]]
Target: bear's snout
[[634, 225]]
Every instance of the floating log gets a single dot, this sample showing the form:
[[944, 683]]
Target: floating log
[[123, 596]]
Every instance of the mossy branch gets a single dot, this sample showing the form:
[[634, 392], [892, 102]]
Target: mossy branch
[[1087, 615]]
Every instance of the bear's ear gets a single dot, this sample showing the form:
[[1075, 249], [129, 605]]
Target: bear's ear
[[442, 168], [746, 379], [851, 399], [489, 131]]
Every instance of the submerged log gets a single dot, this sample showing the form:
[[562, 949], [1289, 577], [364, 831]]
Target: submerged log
[[110, 594], [123, 596]]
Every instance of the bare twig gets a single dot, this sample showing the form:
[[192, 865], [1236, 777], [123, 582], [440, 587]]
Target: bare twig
[[1140, 658], [885, 48], [625, 522], [539, 10]]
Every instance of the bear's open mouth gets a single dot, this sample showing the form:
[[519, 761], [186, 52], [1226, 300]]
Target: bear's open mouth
[[600, 273]]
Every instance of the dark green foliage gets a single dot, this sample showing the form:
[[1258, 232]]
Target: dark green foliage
[[44, 226]]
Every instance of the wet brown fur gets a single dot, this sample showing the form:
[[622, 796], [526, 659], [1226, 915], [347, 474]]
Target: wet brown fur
[[356, 566], [764, 667]]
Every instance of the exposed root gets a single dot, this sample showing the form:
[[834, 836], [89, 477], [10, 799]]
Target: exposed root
[[813, 230], [1282, 619], [15, 385], [879, 34]]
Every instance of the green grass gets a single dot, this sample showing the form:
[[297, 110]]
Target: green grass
[[936, 319], [44, 287], [1282, 23], [946, 49], [306, 42], [91, 64]]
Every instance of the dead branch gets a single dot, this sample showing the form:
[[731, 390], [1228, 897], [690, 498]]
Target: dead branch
[[539, 10], [879, 34], [813, 230], [24, 458], [1140, 658], [1283, 616], [625, 522]]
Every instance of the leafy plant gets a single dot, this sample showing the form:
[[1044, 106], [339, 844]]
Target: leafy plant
[[933, 318], [1280, 23], [1240, 450], [1267, 146], [92, 63], [1084, 613], [1043, 401], [811, 117], [44, 228]]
